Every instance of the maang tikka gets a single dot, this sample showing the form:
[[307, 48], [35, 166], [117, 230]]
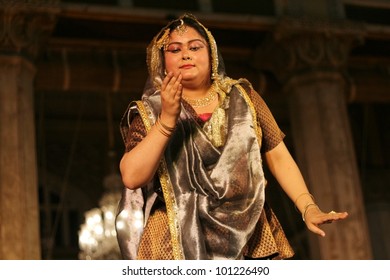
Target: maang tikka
[[181, 29]]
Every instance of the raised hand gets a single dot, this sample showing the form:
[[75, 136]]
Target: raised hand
[[171, 92]]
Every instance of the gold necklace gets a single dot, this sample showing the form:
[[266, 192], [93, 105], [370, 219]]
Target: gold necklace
[[204, 101]]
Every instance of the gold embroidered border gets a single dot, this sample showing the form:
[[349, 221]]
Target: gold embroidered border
[[169, 197], [144, 115], [253, 111]]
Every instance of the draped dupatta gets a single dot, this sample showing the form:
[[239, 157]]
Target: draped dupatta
[[213, 196]]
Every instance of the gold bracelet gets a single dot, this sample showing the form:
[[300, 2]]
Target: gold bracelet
[[306, 208], [161, 129], [167, 128], [299, 196]]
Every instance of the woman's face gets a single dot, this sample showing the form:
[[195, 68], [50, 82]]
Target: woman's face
[[188, 53]]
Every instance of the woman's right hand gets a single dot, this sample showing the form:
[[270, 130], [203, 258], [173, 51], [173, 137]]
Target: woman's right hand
[[171, 92], [136, 169]]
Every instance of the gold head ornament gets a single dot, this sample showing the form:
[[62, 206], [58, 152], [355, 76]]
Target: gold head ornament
[[182, 28]]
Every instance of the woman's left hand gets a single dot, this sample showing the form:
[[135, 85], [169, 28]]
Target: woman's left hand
[[314, 218]]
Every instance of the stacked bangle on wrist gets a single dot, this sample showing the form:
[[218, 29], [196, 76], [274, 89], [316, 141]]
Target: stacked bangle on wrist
[[306, 208], [299, 196], [163, 128]]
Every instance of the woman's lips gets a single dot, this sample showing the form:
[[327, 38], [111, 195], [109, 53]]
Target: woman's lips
[[187, 66]]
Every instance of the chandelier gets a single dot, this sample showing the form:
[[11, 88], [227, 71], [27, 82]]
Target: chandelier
[[97, 236]]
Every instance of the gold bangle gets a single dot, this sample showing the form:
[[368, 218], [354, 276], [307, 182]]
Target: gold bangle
[[167, 128], [161, 129], [306, 208], [299, 196]]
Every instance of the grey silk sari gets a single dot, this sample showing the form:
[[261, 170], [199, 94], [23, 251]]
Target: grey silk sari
[[214, 196]]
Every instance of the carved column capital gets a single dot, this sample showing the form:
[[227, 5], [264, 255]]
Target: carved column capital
[[298, 45], [25, 25]]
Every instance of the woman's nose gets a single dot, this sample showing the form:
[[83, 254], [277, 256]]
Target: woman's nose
[[186, 55]]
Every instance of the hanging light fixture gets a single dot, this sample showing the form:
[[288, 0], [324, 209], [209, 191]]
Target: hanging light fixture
[[97, 236]]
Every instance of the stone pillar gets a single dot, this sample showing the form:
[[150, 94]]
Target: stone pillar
[[310, 59], [23, 26]]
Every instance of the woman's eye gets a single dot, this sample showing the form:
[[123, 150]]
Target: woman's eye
[[195, 48], [173, 50]]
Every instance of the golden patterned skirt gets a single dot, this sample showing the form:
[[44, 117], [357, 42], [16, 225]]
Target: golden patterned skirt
[[267, 242]]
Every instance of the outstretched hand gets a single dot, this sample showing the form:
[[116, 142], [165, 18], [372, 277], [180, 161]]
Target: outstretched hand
[[314, 218]]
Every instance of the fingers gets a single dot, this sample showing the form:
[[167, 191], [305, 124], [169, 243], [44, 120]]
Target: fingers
[[166, 80], [172, 84], [329, 217], [171, 92], [334, 216], [177, 87], [324, 218], [317, 230]]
